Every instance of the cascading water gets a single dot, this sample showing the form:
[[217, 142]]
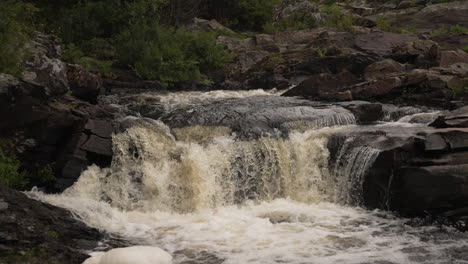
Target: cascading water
[[208, 196]]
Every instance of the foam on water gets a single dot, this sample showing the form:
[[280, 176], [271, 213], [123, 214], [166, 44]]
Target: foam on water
[[279, 231], [131, 255]]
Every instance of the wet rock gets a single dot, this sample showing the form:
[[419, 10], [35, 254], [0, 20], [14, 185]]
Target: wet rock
[[90, 143], [380, 69], [456, 118], [44, 233], [256, 116], [364, 112], [83, 84], [417, 189], [322, 84]]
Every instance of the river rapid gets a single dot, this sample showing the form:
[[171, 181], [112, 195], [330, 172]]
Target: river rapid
[[206, 194]]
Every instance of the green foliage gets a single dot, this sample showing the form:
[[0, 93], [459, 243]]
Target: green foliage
[[10, 173], [87, 20], [247, 15], [321, 52], [169, 54], [384, 25], [74, 54], [297, 21], [14, 177], [458, 29], [15, 27], [338, 18], [46, 175], [465, 48]]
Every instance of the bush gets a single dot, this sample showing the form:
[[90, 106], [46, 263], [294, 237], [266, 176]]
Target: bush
[[15, 27], [338, 18], [458, 29], [10, 173], [168, 54]]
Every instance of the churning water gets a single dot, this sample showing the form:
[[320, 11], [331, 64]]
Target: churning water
[[206, 196]]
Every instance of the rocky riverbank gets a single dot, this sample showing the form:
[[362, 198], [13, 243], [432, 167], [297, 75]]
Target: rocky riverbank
[[61, 116]]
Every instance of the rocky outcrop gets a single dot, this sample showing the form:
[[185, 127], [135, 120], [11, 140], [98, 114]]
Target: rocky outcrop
[[260, 116], [29, 114], [44, 68], [90, 143], [419, 170], [34, 232], [436, 16]]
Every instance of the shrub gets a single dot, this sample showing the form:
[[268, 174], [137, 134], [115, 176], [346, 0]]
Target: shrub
[[297, 21], [15, 27], [74, 54], [338, 18], [458, 29], [168, 54], [10, 173]]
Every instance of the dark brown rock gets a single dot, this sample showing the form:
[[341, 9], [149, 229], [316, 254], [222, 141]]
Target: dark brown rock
[[382, 43], [47, 234], [381, 69], [456, 118], [378, 88], [323, 83], [436, 16], [84, 85], [448, 58]]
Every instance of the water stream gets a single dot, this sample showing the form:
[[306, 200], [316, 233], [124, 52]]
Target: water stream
[[208, 196]]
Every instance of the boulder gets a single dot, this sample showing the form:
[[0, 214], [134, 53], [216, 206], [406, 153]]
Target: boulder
[[364, 112], [382, 68], [429, 188], [387, 86], [450, 57], [324, 83], [84, 84]]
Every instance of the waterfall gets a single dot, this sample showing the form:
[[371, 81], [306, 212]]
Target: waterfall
[[350, 169], [208, 196], [153, 170]]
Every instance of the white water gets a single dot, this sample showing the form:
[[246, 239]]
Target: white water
[[209, 198], [137, 254]]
